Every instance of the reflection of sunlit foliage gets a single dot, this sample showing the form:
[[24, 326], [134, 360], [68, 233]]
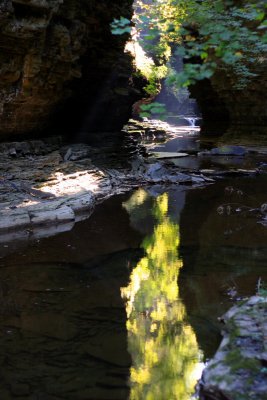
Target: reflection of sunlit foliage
[[137, 198], [166, 358]]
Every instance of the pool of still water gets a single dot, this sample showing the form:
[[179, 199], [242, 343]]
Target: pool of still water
[[125, 305]]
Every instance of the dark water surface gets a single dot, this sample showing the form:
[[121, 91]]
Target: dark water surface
[[125, 305]]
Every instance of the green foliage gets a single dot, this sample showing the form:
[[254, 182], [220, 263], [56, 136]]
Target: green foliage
[[154, 108], [121, 26], [208, 35], [261, 288], [154, 75]]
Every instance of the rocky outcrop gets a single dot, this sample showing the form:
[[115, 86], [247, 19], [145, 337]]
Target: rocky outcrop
[[233, 101], [224, 107], [238, 370], [46, 186], [46, 47]]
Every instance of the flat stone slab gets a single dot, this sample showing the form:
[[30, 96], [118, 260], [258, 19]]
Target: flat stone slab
[[45, 185], [162, 155], [14, 220], [56, 216], [239, 369]]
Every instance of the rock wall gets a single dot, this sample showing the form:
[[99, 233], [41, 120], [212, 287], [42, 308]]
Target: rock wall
[[46, 47], [240, 112], [238, 369]]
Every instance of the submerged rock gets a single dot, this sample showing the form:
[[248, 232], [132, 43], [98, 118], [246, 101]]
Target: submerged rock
[[229, 150], [239, 369]]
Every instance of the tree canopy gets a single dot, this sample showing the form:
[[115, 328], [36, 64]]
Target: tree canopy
[[207, 34]]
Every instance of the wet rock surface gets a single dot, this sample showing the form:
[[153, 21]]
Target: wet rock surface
[[55, 185], [229, 151], [45, 184], [238, 370]]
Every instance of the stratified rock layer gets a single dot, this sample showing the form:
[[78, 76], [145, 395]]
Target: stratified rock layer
[[238, 370], [46, 47], [233, 101], [227, 108]]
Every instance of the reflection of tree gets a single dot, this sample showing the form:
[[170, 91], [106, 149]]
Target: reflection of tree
[[166, 358]]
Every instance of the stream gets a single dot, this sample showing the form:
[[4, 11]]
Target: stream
[[126, 304]]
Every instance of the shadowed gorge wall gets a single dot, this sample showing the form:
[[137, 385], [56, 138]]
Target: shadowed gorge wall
[[243, 111], [226, 108], [62, 71], [56, 50]]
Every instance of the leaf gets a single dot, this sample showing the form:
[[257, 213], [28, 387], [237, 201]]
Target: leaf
[[207, 73], [228, 58], [264, 38], [218, 7], [121, 31], [204, 30], [144, 114], [225, 35], [263, 25], [145, 107], [204, 55], [260, 16], [156, 103], [150, 37], [180, 51], [144, 18]]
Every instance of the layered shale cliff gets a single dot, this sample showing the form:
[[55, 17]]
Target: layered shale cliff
[[233, 101], [60, 55], [226, 108]]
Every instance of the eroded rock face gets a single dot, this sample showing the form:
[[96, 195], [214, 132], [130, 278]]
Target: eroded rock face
[[46, 47], [229, 108], [238, 370], [224, 106]]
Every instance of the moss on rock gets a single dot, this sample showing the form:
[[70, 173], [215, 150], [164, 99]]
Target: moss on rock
[[238, 370]]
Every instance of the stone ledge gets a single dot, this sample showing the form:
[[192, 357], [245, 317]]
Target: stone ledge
[[61, 214], [42, 191], [70, 188], [238, 370], [54, 212], [18, 220]]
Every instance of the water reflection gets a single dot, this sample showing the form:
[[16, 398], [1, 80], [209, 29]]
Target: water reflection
[[166, 359]]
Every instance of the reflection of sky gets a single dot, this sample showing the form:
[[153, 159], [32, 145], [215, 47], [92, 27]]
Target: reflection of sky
[[166, 360]]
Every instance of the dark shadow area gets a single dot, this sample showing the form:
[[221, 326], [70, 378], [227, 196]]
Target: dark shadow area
[[223, 255], [161, 262], [215, 116], [63, 321]]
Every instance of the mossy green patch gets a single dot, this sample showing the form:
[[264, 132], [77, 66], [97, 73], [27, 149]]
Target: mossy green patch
[[236, 361]]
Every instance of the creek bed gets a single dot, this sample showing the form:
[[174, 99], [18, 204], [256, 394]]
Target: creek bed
[[125, 305]]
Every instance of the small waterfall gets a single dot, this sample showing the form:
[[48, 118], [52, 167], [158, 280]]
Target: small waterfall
[[192, 121]]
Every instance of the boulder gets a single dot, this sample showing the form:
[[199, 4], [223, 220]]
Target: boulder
[[238, 370]]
